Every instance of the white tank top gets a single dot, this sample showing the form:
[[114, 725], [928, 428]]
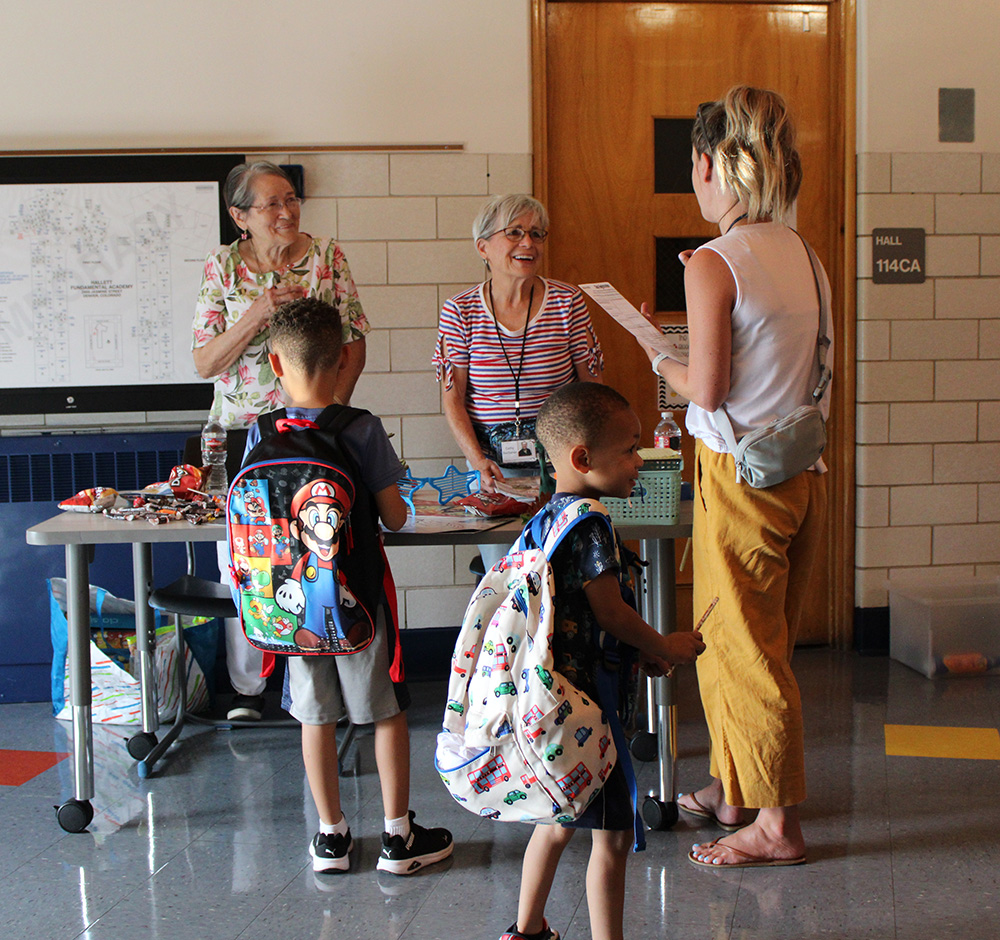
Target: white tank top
[[775, 324]]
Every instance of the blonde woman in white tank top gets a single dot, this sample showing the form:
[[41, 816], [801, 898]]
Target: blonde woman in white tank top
[[752, 319]]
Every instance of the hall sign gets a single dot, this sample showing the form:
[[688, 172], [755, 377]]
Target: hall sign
[[898, 256]]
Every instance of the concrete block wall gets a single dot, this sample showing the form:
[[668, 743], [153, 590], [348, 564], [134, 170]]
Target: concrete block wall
[[928, 429], [404, 221]]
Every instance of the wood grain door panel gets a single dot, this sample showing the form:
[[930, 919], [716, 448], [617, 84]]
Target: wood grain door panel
[[610, 69]]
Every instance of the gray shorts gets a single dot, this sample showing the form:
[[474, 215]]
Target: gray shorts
[[322, 689]]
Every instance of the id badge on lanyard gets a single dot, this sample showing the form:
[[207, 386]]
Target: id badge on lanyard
[[519, 451]]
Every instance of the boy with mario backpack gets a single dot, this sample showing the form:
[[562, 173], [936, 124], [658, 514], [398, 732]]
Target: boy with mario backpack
[[514, 726], [311, 581]]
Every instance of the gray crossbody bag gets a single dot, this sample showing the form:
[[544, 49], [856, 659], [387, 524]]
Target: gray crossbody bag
[[788, 445]]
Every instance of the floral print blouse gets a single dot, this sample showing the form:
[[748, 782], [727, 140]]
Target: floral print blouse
[[228, 288]]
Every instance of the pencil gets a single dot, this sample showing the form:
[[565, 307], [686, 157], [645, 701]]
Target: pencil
[[704, 616]]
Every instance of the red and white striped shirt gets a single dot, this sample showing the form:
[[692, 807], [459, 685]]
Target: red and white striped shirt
[[559, 336]]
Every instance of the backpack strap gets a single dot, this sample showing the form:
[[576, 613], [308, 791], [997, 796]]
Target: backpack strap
[[335, 417], [267, 422], [564, 522], [332, 418]]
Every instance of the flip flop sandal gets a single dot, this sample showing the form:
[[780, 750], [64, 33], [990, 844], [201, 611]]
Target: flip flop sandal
[[703, 812], [749, 861]]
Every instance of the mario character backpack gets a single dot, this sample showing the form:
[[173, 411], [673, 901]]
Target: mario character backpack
[[520, 742], [304, 541]]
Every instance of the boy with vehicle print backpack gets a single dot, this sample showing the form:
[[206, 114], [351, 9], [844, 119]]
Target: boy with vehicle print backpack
[[591, 436], [323, 593]]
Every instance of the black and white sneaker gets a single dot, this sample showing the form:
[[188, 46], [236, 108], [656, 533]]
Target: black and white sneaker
[[245, 707], [546, 933], [422, 847], [330, 852]]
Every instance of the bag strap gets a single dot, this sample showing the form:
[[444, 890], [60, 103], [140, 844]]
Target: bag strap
[[335, 418], [267, 422], [607, 688], [563, 523], [823, 334], [721, 416]]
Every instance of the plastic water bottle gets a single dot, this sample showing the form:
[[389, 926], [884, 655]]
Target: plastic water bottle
[[213, 455], [667, 433]]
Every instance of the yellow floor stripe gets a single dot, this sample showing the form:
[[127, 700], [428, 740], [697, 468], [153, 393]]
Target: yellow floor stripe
[[935, 741]]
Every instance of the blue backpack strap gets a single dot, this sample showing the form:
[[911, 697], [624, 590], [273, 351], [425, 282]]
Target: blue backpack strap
[[607, 688], [607, 677], [531, 535]]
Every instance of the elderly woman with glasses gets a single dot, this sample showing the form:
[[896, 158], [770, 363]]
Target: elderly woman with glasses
[[505, 345], [270, 264]]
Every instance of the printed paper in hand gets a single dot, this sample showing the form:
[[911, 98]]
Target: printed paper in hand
[[624, 313]]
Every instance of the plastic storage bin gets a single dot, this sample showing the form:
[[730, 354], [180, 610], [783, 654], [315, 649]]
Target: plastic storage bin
[[946, 629], [656, 496]]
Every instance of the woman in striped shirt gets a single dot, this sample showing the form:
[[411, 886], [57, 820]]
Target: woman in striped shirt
[[505, 345]]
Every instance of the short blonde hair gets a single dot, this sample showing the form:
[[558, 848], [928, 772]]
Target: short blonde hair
[[750, 139]]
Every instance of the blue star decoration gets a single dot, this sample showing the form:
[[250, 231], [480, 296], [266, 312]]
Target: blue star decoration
[[454, 483], [408, 485]]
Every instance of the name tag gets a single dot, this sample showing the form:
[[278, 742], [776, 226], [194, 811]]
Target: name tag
[[522, 451]]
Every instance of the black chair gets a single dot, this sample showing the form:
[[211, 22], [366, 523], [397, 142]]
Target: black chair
[[191, 596]]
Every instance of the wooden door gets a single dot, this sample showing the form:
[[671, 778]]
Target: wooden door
[[623, 80]]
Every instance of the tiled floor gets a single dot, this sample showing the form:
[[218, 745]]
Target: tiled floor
[[214, 845]]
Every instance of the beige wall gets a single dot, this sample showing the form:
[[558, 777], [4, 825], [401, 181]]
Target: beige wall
[[928, 435], [221, 73], [907, 49]]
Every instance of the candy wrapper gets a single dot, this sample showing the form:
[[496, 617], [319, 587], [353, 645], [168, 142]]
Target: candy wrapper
[[95, 499], [496, 504], [185, 481], [188, 480]]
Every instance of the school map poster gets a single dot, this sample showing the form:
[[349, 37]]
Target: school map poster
[[98, 281]]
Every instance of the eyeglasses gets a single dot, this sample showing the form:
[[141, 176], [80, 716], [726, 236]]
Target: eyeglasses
[[516, 233], [291, 204]]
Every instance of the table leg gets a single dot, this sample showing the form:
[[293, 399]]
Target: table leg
[[144, 742], [145, 633], [76, 814], [660, 808]]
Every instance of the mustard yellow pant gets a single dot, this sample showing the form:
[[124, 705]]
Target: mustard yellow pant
[[754, 550]]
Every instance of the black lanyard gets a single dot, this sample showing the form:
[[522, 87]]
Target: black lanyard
[[516, 376]]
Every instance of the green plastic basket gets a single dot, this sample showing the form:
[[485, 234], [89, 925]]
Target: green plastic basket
[[656, 497]]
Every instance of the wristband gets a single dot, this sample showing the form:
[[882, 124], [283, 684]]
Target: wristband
[[656, 362]]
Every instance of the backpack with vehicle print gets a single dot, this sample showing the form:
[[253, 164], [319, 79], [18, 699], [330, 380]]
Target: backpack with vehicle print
[[520, 742], [304, 541]]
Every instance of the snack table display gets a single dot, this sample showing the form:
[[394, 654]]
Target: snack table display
[[79, 532]]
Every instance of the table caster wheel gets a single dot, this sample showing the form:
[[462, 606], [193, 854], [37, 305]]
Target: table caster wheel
[[139, 745], [643, 746], [75, 815], [659, 815]]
